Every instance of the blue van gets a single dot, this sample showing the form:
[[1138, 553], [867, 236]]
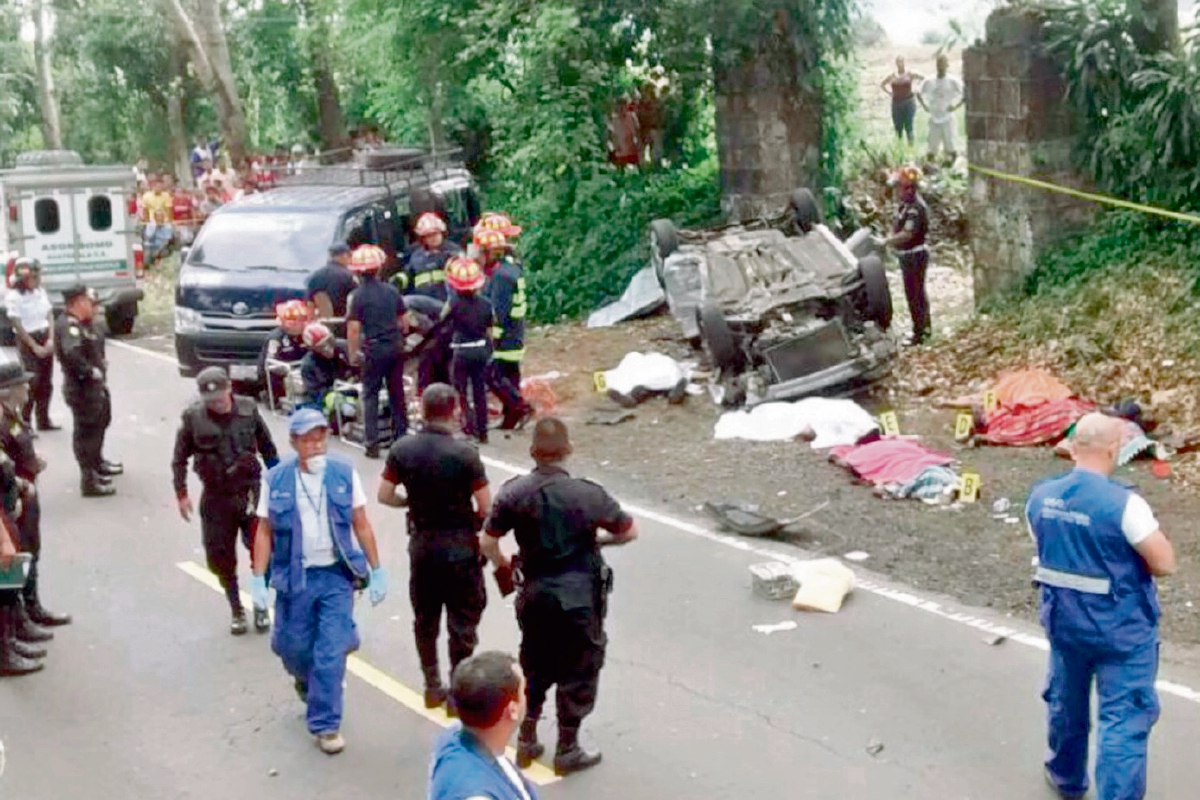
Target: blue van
[[259, 251]]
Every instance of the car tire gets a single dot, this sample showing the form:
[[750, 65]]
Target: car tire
[[805, 211], [664, 240], [718, 337], [878, 305], [120, 320]]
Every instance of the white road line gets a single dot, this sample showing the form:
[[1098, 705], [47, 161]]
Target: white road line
[[906, 598]]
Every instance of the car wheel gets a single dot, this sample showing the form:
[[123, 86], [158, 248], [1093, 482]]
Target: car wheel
[[120, 320], [718, 337], [664, 240], [878, 307], [805, 211]]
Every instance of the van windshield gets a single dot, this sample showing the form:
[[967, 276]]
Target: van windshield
[[295, 241]]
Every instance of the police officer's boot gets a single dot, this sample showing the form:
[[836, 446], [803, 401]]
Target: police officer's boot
[[569, 755], [11, 660], [25, 628], [38, 613], [529, 749], [93, 485]]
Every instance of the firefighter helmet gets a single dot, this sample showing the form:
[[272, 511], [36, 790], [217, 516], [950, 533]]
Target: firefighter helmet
[[464, 275], [367, 258]]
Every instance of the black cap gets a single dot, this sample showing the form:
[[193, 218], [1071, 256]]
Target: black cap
[[213, 381], [13, 374], [339, 249], [71, 292]]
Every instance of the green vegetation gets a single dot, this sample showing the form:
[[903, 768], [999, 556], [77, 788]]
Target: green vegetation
[[527, 89]]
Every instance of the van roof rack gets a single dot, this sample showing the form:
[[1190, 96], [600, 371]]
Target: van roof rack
[[386, 167]]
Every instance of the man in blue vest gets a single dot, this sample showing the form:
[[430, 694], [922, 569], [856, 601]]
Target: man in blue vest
[[1099, 548], [316, 546], [468, 761]]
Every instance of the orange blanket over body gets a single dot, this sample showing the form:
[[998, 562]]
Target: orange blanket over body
[[1029, 387]]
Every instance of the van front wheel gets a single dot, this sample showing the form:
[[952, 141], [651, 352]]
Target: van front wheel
[[120, 319]]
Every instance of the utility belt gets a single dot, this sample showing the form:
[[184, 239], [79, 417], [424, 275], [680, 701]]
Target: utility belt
[[469, 345], [912, 252]]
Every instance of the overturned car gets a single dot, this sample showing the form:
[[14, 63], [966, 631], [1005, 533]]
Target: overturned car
[[783, 309]]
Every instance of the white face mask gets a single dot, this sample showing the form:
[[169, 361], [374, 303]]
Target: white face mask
[[316, 464]]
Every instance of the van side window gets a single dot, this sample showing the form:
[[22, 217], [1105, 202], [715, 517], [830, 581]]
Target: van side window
[[100, 212], [45, 215], [462, 208]]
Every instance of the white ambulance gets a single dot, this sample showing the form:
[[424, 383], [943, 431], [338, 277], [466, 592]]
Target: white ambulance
[[76, 221]]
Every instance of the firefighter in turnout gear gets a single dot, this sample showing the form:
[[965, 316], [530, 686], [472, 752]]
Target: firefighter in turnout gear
[[506, 290], [224, 436], [80, 350]]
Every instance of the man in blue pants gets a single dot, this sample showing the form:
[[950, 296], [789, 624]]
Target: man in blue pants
[[1098, 550], [315, 543]]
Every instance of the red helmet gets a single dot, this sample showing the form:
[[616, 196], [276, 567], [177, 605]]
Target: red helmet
[[367, 258], [464, 275], [315, 335], [428, 224], [291, 311], [490, 240], [495, 221]]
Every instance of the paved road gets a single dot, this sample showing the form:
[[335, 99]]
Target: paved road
[[147, 696]]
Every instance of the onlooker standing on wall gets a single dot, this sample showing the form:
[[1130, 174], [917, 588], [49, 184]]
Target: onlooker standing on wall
[[904, 103], [941, 97]]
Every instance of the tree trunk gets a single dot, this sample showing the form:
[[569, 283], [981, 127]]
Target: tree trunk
[[1155, 25], [207, 38], [768, 120], [330, 123], [175, 122], [47, 100]]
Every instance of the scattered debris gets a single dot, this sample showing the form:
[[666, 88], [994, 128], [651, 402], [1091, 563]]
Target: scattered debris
[[787, 625], [856, 555], [824, 584], [742, 518], [874, 747], [272, 773], [643, 295], [773, 580], [610, 417], [1001, 506], [998, 639]]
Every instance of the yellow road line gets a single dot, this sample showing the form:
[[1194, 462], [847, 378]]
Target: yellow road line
[[362, 669], [1103, 199]]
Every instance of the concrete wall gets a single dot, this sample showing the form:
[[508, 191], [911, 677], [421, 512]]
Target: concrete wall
[[1017, 122]]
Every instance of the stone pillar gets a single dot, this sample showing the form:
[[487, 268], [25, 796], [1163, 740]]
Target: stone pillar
[[1018, 122], [768, 133]]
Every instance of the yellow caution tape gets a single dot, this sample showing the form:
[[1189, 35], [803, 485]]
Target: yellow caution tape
[[1089, 196]]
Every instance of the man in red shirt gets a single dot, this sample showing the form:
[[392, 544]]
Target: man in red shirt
[[183, 213]]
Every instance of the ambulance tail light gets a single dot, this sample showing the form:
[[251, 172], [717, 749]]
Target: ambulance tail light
[[13, 212], [139, 260]]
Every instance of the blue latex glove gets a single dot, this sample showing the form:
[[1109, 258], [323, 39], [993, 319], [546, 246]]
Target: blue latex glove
[[377, 589], [258, 591]]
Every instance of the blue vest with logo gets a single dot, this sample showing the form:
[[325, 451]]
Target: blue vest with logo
[[287, 552], [461, 767], [1096, 591]]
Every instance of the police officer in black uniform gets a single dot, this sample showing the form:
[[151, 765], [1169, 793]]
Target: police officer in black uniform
[[447, 494], [224, 435], [81, 353], [560, 524], [16, 440]]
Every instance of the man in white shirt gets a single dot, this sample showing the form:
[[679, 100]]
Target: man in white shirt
[[941, 97], [316, 546], [32, 317]]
